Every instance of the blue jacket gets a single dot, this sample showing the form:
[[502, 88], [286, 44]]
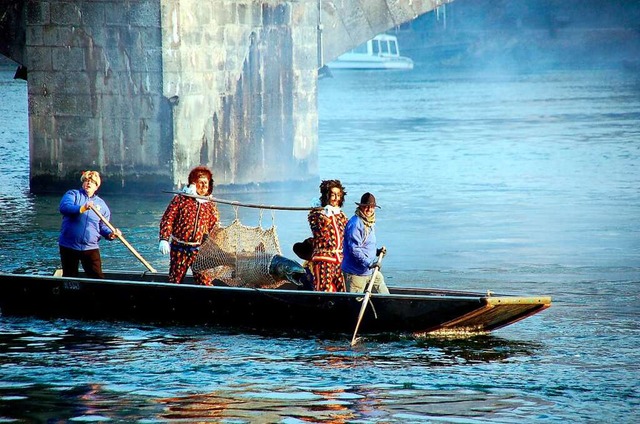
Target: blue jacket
[[82, 231], [359, 247]]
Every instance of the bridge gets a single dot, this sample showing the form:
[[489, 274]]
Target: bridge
[[143, 90]]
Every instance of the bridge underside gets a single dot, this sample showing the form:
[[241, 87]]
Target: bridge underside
[[144, 90]]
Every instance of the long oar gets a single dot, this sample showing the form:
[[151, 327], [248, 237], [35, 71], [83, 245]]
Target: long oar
[[367, 295], [245, 205], [122, 239]]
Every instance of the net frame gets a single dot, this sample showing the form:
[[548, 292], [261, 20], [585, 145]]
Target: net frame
[[240, 255]]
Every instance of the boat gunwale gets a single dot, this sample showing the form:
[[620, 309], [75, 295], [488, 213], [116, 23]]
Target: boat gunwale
[[443, 294]]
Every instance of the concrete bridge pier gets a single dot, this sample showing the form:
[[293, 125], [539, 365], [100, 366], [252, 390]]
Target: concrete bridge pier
[[143, 90]]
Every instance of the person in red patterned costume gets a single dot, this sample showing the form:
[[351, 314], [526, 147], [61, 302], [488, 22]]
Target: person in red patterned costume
[[186, 223], [327, 226]]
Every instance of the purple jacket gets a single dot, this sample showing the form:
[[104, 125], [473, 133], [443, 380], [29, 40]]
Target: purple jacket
[[82, 231]]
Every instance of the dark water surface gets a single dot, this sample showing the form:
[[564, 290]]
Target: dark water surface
[[527, 184]]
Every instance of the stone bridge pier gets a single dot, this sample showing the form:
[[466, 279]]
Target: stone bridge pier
[[143, 90]]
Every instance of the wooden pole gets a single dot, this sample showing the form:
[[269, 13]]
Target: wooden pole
[[122, 239], [367, 296], [244, 205]]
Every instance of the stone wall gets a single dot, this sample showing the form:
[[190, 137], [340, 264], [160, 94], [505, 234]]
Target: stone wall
[[95, 93]]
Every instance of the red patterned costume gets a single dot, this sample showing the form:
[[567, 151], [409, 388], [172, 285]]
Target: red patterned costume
[[327, 232], [185, 223]]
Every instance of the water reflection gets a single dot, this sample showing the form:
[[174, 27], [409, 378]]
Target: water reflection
[[96, 403], [91, 402], [31, 335], [104, 371], [346, 404]]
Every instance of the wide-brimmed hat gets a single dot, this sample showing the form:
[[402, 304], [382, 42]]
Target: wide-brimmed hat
[[368, 199], [304, 249]]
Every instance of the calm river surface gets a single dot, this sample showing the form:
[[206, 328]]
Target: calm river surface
[[527, 184]]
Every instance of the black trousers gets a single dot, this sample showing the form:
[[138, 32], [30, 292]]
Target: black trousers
[[90, 260]]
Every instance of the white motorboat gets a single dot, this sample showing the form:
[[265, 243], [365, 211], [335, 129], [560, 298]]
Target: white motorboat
[[381, 52]]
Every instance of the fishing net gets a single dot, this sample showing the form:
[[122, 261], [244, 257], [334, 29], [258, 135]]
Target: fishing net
[[240, 256]]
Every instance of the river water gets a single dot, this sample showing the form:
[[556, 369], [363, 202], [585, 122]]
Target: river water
[[527, 184]]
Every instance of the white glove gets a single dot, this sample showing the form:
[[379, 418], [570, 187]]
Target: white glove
[[189, 189], [164, 247], [331, 210]]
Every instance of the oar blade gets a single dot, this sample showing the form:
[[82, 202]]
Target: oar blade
[[360, 316]]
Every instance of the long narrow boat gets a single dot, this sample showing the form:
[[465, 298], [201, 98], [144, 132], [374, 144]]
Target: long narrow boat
[[147, 297]]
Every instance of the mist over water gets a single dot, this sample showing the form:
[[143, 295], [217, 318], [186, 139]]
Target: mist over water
[[525, 36], [524, 183]]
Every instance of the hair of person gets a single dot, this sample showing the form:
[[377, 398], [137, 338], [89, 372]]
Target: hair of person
[[91, 175], [200, 171], [325, 191]]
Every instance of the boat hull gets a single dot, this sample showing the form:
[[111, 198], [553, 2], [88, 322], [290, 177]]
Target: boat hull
[[146, 298], [371, 63]]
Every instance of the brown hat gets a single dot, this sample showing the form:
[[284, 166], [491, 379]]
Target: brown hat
[[304, 249], [367, 199]]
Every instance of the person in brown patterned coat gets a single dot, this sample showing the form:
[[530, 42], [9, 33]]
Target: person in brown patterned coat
[[327, 226], [185, 224]]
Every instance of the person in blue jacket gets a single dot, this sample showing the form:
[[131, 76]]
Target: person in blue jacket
[[359, 248], [82, 229]]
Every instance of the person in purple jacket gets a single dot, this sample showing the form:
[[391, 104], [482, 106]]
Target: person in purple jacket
[[359, 248], [82, 229]]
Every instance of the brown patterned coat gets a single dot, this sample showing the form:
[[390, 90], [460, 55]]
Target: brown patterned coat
[[328, 232]]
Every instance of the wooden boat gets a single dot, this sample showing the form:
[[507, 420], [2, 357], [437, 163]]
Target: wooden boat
[[147, 297]]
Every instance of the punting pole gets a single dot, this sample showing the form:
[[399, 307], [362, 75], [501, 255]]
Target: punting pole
[[367, 296], [122, 239]]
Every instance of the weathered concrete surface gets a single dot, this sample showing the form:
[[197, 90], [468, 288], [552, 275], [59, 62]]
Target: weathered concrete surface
[[143, 90], [95, 94], [243, 74]]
